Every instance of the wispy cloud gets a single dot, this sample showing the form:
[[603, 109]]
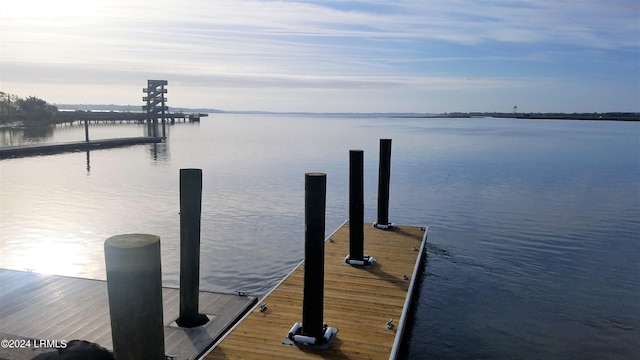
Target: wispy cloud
[[322, 44]]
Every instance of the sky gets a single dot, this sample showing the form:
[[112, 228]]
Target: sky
[[426, 56]]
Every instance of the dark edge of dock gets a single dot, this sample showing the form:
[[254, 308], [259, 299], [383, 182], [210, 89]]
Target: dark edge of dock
[[48, 149], [409, 300]]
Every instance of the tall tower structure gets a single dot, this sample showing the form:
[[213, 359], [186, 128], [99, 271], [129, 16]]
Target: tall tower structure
[[155, 104]]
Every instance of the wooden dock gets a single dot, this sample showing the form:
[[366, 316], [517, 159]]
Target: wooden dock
[[56, 148], [358, 301], [48, 307]]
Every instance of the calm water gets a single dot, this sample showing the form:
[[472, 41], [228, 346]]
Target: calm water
[[534, 226]]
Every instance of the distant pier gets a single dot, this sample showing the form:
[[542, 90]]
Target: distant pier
[[87, 117], [71, 117], [8, 152]]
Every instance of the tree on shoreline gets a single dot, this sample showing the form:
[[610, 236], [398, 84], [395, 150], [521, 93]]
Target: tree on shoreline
[[35, 109], [8, 107], [30, 111]]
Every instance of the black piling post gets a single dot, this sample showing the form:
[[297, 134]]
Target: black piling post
[[134, 287], [384, 175], [356, 205], [314, 218], [86, 130], [190, 211], [155, 127]]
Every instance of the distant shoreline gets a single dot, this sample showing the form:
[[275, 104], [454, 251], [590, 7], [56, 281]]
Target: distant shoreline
[[608, 116], [538, 116]]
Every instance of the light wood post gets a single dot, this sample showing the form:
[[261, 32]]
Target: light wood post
[[134, 286]]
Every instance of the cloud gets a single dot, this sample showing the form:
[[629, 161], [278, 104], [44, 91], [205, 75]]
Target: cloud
[[314, 44], [250, 22], [91, 75]]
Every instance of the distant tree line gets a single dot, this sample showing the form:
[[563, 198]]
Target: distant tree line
[[29, 111], [618, 116]]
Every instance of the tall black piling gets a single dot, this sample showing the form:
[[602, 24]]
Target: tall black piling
[[356, 205], [384, 175], [313, 332], [314, 219], [86, 130], [190, 212], [134, 287]]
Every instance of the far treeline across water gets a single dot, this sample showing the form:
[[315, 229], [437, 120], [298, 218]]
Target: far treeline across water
[[17, 111], [617, 116]]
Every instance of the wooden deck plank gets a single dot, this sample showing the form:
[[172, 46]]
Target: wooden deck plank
[[359, 302], [49, 307]]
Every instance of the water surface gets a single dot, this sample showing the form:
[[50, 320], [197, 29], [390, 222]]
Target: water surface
[[533, 249]]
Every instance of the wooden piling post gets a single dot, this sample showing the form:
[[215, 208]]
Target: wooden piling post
[[314, 218], [134, 286], [190, 212], [86, 130], [384, 175], [356, 204]]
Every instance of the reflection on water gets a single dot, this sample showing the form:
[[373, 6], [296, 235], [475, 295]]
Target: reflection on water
[[88, 162], [24, 135], [533, 225], [53, 256], [37, 132], [160, 151], [70, 132]]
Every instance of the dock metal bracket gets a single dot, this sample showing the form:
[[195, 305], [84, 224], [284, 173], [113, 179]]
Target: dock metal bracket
[[389, 226], [296, 337], [366, 262]]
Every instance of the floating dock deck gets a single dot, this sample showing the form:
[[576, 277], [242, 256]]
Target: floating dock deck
[[47, 307], [358, 301], [46, 149]]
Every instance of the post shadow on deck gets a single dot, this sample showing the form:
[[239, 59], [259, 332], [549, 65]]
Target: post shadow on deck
[[190, 213], [312, 332], [356, 256], [384, 175]]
